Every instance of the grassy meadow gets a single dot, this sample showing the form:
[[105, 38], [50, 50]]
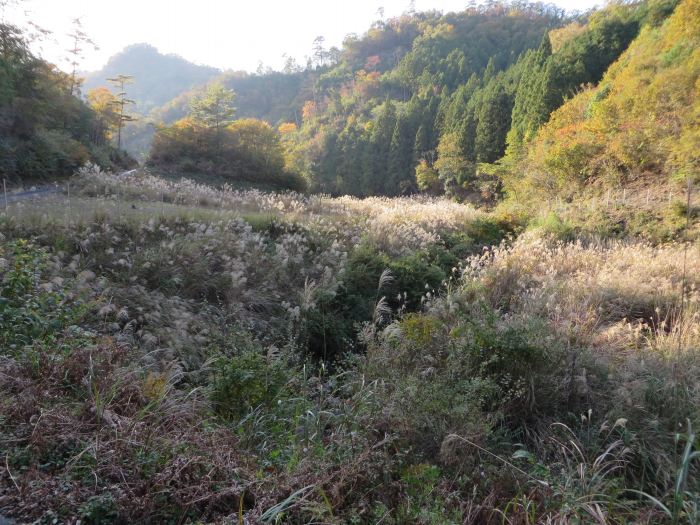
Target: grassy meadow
[[178, 353]]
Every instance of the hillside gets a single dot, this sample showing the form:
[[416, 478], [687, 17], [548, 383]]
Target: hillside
[[272, 96], [406, 65], [427, 102], [640, 121], [46, 131], [635, 133], [158, 78], [422, 102]]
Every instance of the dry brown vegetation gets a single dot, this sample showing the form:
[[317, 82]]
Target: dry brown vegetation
[[197, 364]]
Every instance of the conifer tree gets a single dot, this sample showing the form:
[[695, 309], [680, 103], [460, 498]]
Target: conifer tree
[[400, 156], [121, 103], [493, 125]]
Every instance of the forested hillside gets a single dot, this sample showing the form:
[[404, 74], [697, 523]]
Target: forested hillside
[[349, 121], [447, 109], [46, 130], [431, 102], [639, 123]]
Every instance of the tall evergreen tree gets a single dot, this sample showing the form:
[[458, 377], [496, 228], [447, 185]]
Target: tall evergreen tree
[[494, 123], [377, 155], [530, 109], [400, 156]]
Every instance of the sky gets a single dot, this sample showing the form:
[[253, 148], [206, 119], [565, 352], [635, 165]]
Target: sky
[[227, 34]]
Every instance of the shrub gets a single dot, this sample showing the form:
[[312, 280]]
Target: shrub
[[554, 226], [99, 510], [31, 311], [246, 380]]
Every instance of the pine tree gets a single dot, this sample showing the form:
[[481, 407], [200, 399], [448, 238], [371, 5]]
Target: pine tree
[[78, 39], [400, 156], [421, 144], [214, 109], [494, 123], [121, 103]]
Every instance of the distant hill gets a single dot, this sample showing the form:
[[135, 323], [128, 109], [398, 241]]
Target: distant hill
[[272, 96], [158, 78]]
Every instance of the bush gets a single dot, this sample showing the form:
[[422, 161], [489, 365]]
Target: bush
[[339, 315], [246, 381], [29, 311], [553, 225]]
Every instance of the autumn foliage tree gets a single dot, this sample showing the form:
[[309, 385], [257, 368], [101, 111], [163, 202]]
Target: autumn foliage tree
[[104, 104], [210, 141]]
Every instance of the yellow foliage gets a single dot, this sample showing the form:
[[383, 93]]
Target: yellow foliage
[[287, 127], [643, 118], [154, 386], [309, 110], [560, 36], [419, 328]]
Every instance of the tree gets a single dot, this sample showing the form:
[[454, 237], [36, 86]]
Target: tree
[[249, 149], [377, 151], [421, 144], [427, 178], [494, 123], [320, 55], [214, 109], [44, 130], [453, 168], [78, 39], [259, 142], [290, 65], [400, 156], [121, 103], [104, 104]]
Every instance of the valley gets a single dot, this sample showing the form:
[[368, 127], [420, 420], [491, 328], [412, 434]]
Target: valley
[[448, 273]]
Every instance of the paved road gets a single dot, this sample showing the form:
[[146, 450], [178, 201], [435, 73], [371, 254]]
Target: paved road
[[42, 191]]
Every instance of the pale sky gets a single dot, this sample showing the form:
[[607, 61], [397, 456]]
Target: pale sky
[[227, 34]]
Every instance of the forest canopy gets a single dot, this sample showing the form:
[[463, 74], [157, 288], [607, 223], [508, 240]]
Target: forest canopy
[[444, 103]]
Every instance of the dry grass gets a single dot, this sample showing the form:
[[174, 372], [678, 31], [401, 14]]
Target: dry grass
[[610, 293], [109, 414]]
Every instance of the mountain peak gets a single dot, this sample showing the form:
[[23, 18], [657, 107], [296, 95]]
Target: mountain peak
[[158, 77]]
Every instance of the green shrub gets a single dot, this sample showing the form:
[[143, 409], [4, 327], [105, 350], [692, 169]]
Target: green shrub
[[552, 224], [490, 230], [99, 510], [245, 381], [29, 312], [333, 325]]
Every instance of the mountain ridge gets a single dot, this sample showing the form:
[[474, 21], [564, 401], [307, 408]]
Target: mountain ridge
[[158, 77]]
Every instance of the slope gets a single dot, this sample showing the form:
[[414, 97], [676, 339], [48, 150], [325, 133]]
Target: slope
[[634, 136], [158, 78]]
